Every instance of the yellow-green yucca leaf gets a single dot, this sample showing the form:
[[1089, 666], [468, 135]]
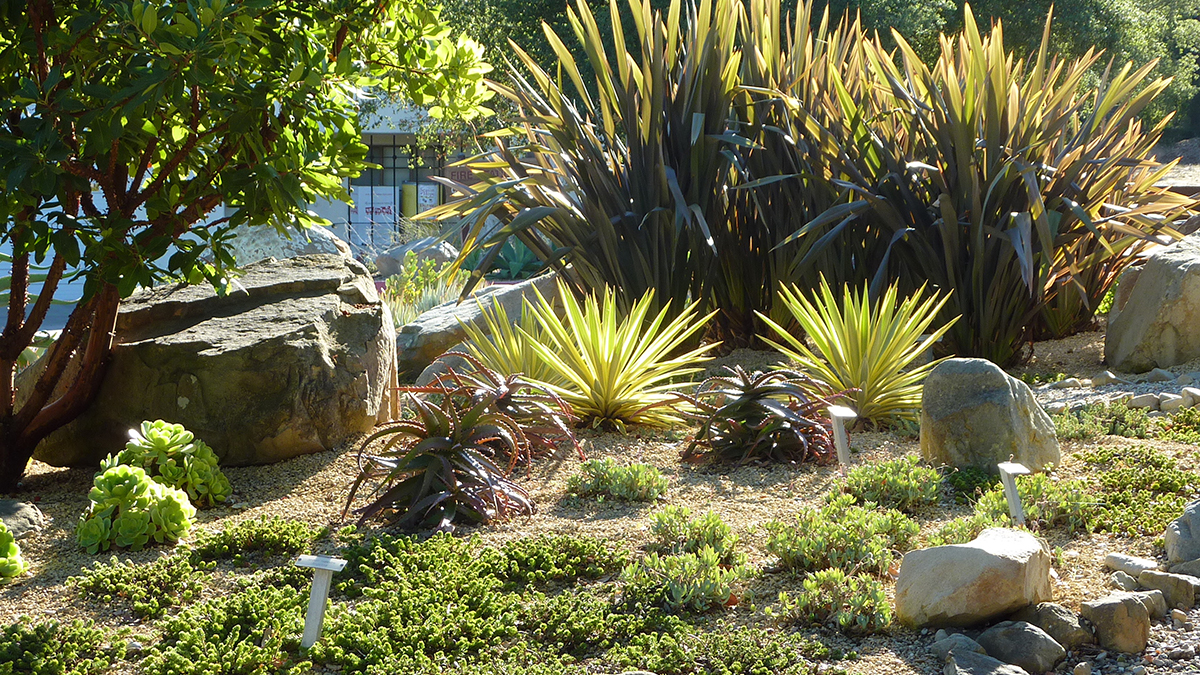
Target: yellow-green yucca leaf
[[507, 350], [617, 368], [865, 346]]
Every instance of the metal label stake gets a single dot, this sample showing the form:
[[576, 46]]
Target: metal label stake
[[839, 414], [324, 567], [1008, 476]]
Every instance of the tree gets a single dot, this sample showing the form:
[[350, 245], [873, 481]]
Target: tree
[[166, 109]]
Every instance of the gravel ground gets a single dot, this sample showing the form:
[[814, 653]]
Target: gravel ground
[[314, 488]]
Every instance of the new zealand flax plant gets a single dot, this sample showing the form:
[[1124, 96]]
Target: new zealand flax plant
[[1015, 183], [623, 177]]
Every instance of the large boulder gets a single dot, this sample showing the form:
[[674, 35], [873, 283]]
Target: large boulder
[[439, 329], [968, 584], [1121, 621], [1182, 536], [973, 414], [430, 248], [258, 242], [1156, 309], [297, 358]]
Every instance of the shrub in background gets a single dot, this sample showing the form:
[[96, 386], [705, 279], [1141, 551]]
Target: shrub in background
[[1020, 180], [1104, 419], [419, 287], [11, 562], [774, 416], [901, 483], [173, 456], [1069, 504], [867, 347], [129, 509], [619, 368], [634, 482]]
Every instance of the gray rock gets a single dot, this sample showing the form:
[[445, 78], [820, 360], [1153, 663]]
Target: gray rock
[[1121, 621], [21, 518], [1160, 375], [956, 642], [391, 261], [1023, 644], [1082, 668], [443, 364], [968, 584], [1169, 403], [296, 359], [1182, 536], [1058, 622], [1191, 568], [1191, 395], [1149, 401], [252, 243], [1069, 383], [1056, 407], [1105, 378], [1176, 588], [1131, 565], [436, 331], [975, 414], [971, 663], [1155, 311], [1123, 581]]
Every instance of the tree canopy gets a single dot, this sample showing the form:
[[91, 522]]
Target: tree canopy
[[124, 124]]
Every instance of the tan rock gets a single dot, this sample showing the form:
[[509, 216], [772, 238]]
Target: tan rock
[[1155, 311], [1121, 621], [966, 584], [1176, 588], [974, 414]]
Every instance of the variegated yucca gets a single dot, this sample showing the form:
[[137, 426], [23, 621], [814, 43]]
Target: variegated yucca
[[864, 347], [617, 367], [507, 347]]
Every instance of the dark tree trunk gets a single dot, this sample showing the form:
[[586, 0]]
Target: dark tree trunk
[[88, 339]]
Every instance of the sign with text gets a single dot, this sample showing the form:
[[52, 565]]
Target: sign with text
[[374, 215]]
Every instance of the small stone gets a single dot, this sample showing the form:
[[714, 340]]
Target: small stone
[[1069, 383], [1192, 394], [1105, 378], [1177, 624], [1160, 375], [21, 518], [1129, 564], [1176, 588], [1138, 670], [133, 647], [958, 643], [1056, 408], [1182, 654], [1149, 401], [1082, 668], [1179, 615], [1123, 581], [941, 634], [1171, 402], [1186, 378]]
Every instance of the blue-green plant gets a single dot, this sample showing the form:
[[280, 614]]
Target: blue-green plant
[[852, 603], [843, 535], [129, 509], [674, 531], [11, 562], [901, 483], [601, 477], [174, 456], [693, 582]]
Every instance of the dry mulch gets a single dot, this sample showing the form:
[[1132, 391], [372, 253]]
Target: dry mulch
[[314, 488]]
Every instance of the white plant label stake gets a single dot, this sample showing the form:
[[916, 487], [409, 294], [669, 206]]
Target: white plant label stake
[[839, 414], [1008, 477], [324, 567]]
